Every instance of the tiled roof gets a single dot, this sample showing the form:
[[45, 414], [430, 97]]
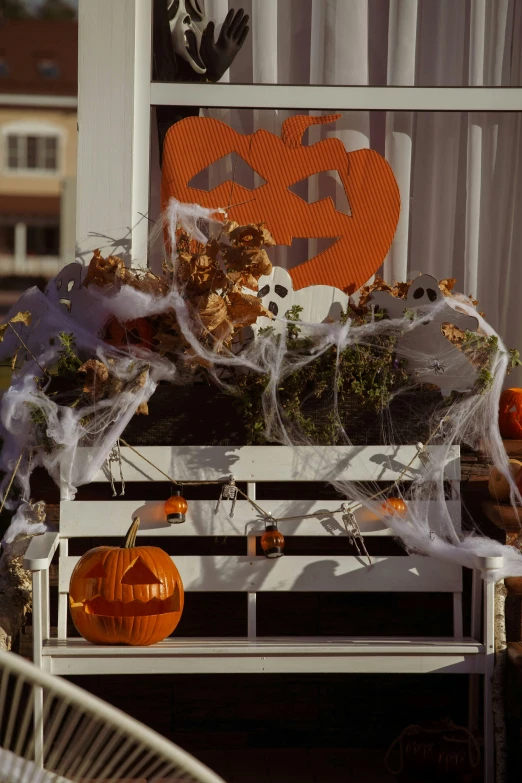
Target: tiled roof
[[39, 57]]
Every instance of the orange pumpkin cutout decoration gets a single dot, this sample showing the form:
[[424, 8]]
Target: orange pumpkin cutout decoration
[[363, 238], [138, 332], [510, 414], [126, 595]]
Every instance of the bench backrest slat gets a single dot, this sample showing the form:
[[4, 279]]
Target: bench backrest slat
[[112, 520], [276, 463], [306, 573]]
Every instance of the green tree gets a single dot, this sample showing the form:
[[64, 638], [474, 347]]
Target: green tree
[[55, 9], [13, 9]]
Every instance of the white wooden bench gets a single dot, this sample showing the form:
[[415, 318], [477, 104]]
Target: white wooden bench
[[253, 574]]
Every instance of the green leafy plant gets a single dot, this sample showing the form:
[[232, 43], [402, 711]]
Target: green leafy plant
[[366, 375], [68, 360], [41, 423]]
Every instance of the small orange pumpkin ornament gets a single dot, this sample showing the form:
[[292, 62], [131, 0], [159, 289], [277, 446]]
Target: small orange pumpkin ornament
[[176, 509], [272, 541], [126, 595], [394, 507], [138, 332], [510, 414]]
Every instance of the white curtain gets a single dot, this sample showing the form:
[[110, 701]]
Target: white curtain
[[460, 174]]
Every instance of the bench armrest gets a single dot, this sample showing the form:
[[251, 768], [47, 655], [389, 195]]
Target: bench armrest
[[40, 551]]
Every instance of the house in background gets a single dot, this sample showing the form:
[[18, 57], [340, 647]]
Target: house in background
[[38, 142]]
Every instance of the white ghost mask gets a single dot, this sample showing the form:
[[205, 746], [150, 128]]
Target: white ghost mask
[[187, 22], [319, 302], [67, 292], [431, 357]]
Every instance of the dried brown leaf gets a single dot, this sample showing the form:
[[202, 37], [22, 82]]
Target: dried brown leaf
[[400, 290], [244, 309], [167, 343], [103, 271], [224, 334], [96, 376], [212, 310], [447, 284], [22, 317], [453, 333], [15, 357]]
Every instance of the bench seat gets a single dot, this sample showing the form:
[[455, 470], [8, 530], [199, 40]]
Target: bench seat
[[267, 655]]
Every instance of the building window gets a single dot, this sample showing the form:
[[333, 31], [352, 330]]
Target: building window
[[7, 240], [49, 69], [32, 153], [43, 239]]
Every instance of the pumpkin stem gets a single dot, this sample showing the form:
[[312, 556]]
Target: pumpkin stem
[[294, 127], [130, 538]]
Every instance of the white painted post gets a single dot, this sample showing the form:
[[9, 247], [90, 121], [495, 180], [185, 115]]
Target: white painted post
[[62, 598], [67, 220], [20, 247], [38, 599], [251, 551], [114, 74], [490, 563], [476, 609]]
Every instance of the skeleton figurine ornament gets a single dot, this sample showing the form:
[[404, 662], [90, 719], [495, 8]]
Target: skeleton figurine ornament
[[228, 492]]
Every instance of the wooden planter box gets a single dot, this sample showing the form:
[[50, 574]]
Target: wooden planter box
[[201, 414]]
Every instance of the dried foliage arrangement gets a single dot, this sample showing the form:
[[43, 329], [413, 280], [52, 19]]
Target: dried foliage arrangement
[[212, 279]]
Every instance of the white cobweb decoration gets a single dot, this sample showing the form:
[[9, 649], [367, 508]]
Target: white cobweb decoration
[[467, 419]]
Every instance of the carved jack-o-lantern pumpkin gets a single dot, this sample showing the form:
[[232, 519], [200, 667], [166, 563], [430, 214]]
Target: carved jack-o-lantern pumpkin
[[363, 238], [510, 414], [126, 595]]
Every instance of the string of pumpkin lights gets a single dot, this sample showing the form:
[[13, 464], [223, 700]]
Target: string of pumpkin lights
[[272, 541]]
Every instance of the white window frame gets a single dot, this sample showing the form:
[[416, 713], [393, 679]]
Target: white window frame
[[115, 100], [40, 130]]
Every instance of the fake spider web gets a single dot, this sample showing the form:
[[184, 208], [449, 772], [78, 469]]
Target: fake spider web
[[466, 418]]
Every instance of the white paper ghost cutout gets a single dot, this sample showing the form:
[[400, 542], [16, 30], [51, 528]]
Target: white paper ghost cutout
[[431, 357], [319, 302], [66, 291]]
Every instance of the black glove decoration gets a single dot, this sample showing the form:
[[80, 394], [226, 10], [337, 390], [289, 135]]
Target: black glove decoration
[[219, 55]]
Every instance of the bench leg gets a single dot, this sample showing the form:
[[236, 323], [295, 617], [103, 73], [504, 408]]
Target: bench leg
[[473, 703], [489, 643]]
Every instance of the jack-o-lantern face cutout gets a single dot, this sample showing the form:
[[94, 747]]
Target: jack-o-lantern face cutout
[[361, 239], [126, 595]]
